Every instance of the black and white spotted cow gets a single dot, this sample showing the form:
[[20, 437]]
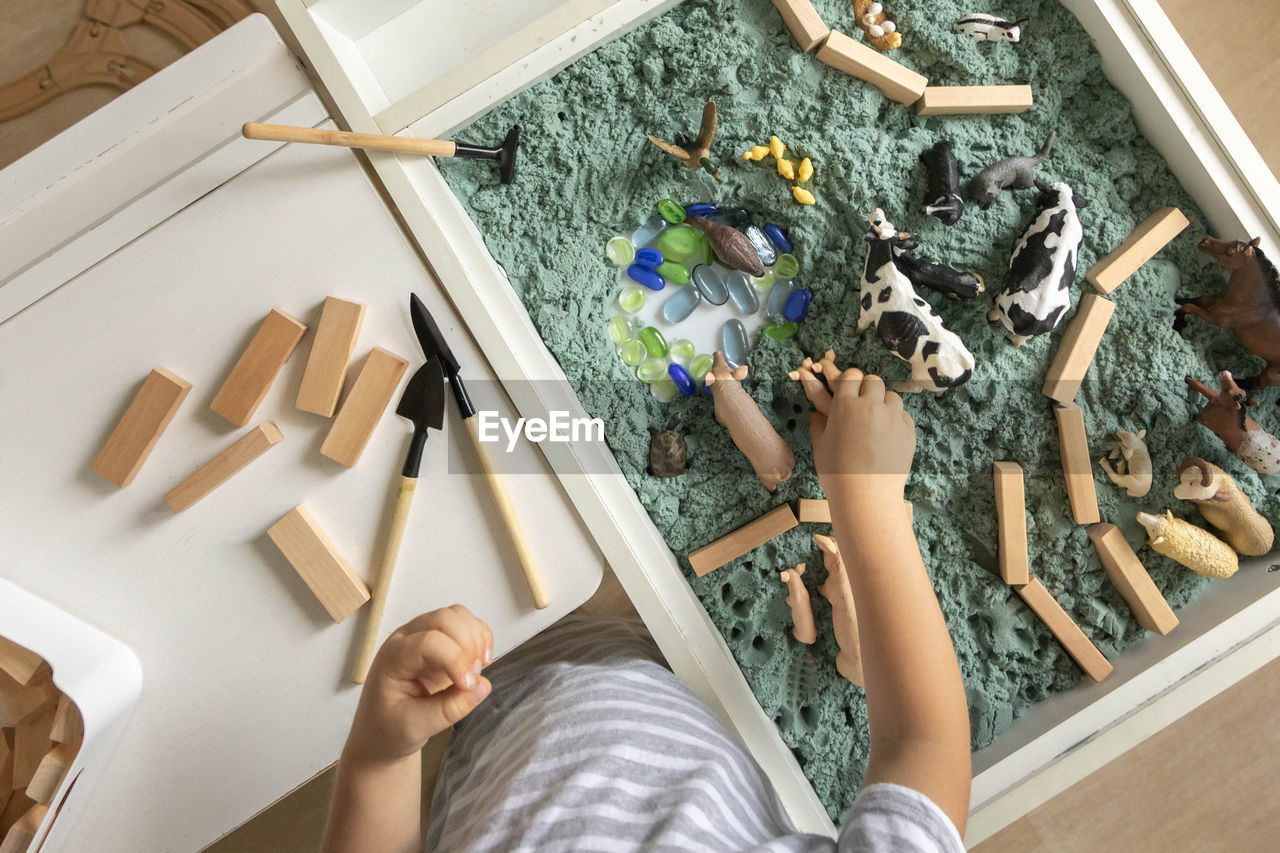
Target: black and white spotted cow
[[989, 28], [904, 322], [1037, 287]]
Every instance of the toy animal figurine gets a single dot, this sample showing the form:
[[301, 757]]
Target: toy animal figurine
[[939, 278], [1037, 287], [904, 322], [750, 430], [1183, 542], [1129, 464], [806, 374], [942, 191], [1249, 308], [668, 453], [989, 28], [1017, 173], [844, 618], [731, 246], [882, 33], [695, 154], [1224, 506], [798, 600], [1225, 415]]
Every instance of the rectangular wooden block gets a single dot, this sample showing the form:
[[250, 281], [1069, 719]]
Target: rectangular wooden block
[[24, 701], [331, 349], [259, 364], [1011, 516], [19, 662], [966, 100], [897, 82], [20, 836], [6, 765], [50, 773], [220, 468], [1130, 577], [751, 535], [1148, 237], [1076, 348], [314, 557], [135, 436], [815, 510], [1074, 640], [30, 743], [803, 21], [68, 725], [1077, 467], [364, 406]]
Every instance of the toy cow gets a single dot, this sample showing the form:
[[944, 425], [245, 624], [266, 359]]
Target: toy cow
[[1037, 288], [750, 430], [989, 28], [942, 193], [939, 278], [904, 322]]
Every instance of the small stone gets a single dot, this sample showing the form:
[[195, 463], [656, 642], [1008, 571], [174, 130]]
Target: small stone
[[777, 237], [777, 301], [621, 329], [680, 243], [759, 242], [701, 208], [765, 282], [797, 307], [741, 291], [671, 211], [664, 389], [710, 284], [786, 267], [733, 338], [674, 273], [620, 250], [701, 366], [649, 257], [683, 349], [781, 331], [649, 278], [631, 298], [633, 352], [681, 304], [652, 227], [683, 381], [653, 341], [652, 370], [734, 217]]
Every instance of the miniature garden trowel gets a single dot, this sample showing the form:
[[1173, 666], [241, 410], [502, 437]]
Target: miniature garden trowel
[[433, 343], [423, 404]]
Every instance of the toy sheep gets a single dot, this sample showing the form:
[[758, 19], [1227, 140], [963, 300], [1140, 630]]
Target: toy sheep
[[798, 600], [1224, 506], [1129, 464], [750, 430], [1184, 543], [844, 617]]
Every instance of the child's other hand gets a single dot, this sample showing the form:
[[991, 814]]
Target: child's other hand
[[409, 696]]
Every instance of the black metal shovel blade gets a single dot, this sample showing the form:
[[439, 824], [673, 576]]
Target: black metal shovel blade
[[423, 399]]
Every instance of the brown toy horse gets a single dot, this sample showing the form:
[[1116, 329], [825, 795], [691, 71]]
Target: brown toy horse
[[1249, 308]]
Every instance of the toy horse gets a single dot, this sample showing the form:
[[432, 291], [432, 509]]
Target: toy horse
[[1249, 308]]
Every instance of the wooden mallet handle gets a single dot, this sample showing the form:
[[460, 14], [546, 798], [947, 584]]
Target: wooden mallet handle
[[382, 583], [345, 139]]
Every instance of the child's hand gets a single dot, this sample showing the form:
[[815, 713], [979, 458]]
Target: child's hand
[[403, 703]]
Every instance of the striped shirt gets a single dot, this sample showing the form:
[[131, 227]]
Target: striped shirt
[[589, 743]]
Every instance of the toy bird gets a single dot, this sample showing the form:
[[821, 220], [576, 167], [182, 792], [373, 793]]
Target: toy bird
[[696, 154]]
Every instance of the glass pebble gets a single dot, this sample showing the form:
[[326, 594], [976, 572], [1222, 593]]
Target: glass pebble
[[701, 365], [621, 329], [781, 331], [652, 227], [776, 303], [734, 217], [653, 341], [710, 284], [742, 293], [680, 243], [671, 211], [786, 267], [778, 237], [683, 348], [631, 298], [797, 307], [674, 273], [652, 369], [759, 242], [664, 389], [649, 257], [620, 250], [766, 281], [733, 338], [649, 278], [683, 381], [633, 352], [681, 304], [701, 208]]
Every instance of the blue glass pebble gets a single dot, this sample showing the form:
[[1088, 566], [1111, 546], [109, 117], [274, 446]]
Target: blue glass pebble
[[761, 244], [683, 380], [710, 284], [650, 258], [733, 339], [652, 227], [743, 292], [700, 208], [734, 217], [646, 276], [778, 237], [776, 303], [681, 304], [797, 307]]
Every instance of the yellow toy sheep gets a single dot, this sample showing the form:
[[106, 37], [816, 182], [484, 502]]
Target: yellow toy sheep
[[1224, 506], [1197, 549]]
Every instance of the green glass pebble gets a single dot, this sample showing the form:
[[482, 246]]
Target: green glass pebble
[[621, 329], [671, 211], [708, 256], [679, 243], [620, 251], [765, 282], [674, 273], [782, 331], [652, 370], [664, 389], [631, 298], [682, 348], [701, 366], [654, 342], [633, 352], [786, 267]]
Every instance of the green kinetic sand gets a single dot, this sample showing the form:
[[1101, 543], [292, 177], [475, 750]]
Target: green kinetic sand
[[587, 173]]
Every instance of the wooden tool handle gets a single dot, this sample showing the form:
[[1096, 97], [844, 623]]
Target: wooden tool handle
[[509, 519], [317, 136], [381, 584]]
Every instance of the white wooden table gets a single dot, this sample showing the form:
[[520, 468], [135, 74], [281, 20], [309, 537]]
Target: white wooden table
[[152, 235]]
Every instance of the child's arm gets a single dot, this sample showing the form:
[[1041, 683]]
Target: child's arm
[[377, 797], [915, 698]]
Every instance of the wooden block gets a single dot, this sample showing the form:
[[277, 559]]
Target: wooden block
[[50, 773], [364, 406], [750, 535], [1077, 644], [1076, 348], [20, 663], [968, 100], [259, 364], [220, 468], [22, 702], [6, 766], [815, 510], [803, 21], [17, 806], [331, 349], [68, 725], [23, 833], [314, 557], [135, 436], [30, 743], [1011, 515], [897, 82], [1148, 237], [1077, 467], [1130, 577]]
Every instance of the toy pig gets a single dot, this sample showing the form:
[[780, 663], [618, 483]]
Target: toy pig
[[802, 628], [750, 430], [1129, 465], [1225, 415]]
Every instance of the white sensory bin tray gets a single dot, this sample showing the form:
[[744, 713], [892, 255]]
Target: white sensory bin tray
[[370, 56]]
